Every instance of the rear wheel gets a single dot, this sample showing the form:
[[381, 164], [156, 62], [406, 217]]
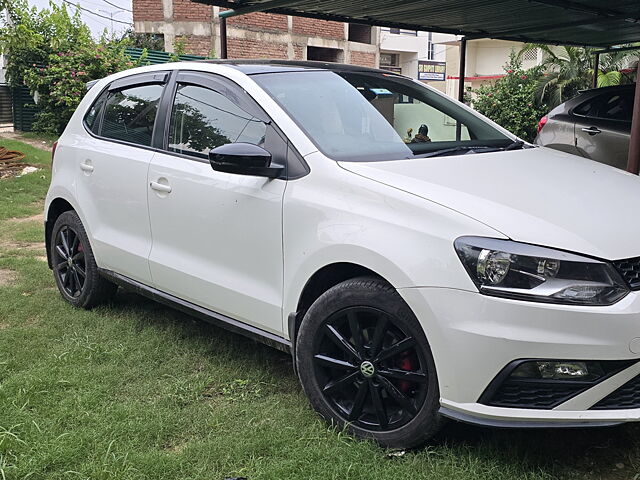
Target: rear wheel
[[74, 266], [364, 362]]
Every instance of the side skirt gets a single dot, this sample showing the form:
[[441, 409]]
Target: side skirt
[[210, 316]]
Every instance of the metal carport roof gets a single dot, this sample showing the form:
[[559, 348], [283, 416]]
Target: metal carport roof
[[564, 22]]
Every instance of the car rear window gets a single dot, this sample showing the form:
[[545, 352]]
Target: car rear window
[[130, 114]]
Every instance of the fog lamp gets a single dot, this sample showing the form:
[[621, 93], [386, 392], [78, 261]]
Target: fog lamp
[[559, 370]]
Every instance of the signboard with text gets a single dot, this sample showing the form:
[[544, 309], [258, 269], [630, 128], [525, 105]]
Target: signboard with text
[[432, 71]]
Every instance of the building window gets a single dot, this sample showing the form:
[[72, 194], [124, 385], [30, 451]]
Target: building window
[[359, 33], [530, 55], [324, 54], [400, 31], [388, 59]]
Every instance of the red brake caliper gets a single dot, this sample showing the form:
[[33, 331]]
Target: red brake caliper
[[405, 363]]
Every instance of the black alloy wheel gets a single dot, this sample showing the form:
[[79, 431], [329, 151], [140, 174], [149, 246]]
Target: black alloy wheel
[[370, 370], [74, 266], [365, 364], [69, 262]]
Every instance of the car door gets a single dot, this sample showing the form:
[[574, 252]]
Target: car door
[[112, 173], [602, 131], [217, 237]]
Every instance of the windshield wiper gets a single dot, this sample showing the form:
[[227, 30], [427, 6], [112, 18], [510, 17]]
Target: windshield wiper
[[517, 145], [445, 151]]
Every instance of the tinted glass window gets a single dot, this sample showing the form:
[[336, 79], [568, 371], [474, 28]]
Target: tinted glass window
[[130, 114], [202, 119], [363, 117], [617, 107], [91, 119]]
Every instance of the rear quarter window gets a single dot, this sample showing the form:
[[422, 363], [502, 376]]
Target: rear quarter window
[[130, 113]]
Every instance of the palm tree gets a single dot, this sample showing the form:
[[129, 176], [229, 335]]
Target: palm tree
[[570, 69]]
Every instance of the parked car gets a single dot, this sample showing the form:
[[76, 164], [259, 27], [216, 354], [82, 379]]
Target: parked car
[[596, 124], [463, 274]]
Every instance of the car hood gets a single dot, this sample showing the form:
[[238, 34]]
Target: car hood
[[536, 195]]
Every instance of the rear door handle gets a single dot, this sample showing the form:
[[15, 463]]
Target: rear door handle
[[160, 187], [86, 166], [591, 130]]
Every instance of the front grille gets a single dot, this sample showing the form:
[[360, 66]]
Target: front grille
[[627, 396], [630, 271], [534, 394]]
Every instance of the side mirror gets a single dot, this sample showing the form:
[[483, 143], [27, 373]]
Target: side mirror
[[244, 159]]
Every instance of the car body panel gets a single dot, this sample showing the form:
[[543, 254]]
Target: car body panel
[[575, 202], [217, 239], [571, 130]]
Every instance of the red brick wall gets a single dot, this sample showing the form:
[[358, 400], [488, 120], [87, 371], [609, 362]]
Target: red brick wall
[[188, 10], [150, 10], [298, 52], [260, 21], [196, 44], [243, 48], [320, 28], [363, 58]]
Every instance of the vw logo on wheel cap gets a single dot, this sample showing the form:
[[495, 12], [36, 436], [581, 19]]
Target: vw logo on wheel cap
[[367, 369]]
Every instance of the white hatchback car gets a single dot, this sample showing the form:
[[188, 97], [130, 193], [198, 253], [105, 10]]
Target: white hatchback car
[[419, 261]]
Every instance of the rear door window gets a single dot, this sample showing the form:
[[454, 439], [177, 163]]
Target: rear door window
[[130, 114]]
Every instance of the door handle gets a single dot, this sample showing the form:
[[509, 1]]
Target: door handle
[[86, 167], [160, 187], [591, 130]]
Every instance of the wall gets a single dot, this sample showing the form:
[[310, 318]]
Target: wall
[[255, 35]]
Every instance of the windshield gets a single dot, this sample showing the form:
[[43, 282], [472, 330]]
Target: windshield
[[356, 116]]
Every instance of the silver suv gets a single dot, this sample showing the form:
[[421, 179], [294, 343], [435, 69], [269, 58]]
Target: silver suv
[[596, 124]]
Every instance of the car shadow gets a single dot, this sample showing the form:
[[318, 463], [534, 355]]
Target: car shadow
[[606, 452]]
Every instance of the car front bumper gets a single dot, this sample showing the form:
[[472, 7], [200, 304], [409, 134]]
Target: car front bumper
[[473, 337]]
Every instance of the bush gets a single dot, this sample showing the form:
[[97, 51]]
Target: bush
[[60, 85], [510, 101], [54, 55]]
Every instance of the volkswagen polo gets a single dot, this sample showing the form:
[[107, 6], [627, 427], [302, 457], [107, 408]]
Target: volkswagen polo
[[418, 261]]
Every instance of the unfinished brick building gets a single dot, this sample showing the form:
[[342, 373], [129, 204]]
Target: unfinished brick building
[[256, 35]]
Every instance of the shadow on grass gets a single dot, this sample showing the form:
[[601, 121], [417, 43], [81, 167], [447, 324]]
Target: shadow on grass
[[608, 452]]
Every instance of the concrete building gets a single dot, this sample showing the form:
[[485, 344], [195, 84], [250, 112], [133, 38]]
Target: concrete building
[[485, 63], [196, 27], [419, 55]]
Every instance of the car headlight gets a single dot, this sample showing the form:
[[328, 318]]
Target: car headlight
[[517, 270]]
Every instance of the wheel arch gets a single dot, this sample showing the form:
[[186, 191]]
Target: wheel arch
[[56, 208], [319, 282]]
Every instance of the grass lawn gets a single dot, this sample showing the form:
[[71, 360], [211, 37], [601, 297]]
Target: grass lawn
[[138, 391]]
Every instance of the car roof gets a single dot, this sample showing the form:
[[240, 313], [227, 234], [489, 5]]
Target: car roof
[[259, 66]]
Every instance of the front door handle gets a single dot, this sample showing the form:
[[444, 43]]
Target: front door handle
[[160, 187], [591, 130], [86, 166]]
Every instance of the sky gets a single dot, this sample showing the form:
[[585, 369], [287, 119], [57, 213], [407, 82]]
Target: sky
[[120, 9]]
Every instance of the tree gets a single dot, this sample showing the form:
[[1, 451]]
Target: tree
[[570, 69], [510, 101], [53, 54]]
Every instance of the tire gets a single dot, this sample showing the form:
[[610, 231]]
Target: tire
[[77, 279], [358, 375]]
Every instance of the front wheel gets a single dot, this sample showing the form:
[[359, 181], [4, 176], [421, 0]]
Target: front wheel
[[74, 266], [364, 362]]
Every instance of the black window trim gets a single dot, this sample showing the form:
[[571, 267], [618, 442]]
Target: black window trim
[[169, 80], [141, 79]]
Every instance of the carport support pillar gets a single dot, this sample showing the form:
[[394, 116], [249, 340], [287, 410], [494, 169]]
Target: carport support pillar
[[596, 68], [223, 37], [463, 61], [461, 75], [633, 162]]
